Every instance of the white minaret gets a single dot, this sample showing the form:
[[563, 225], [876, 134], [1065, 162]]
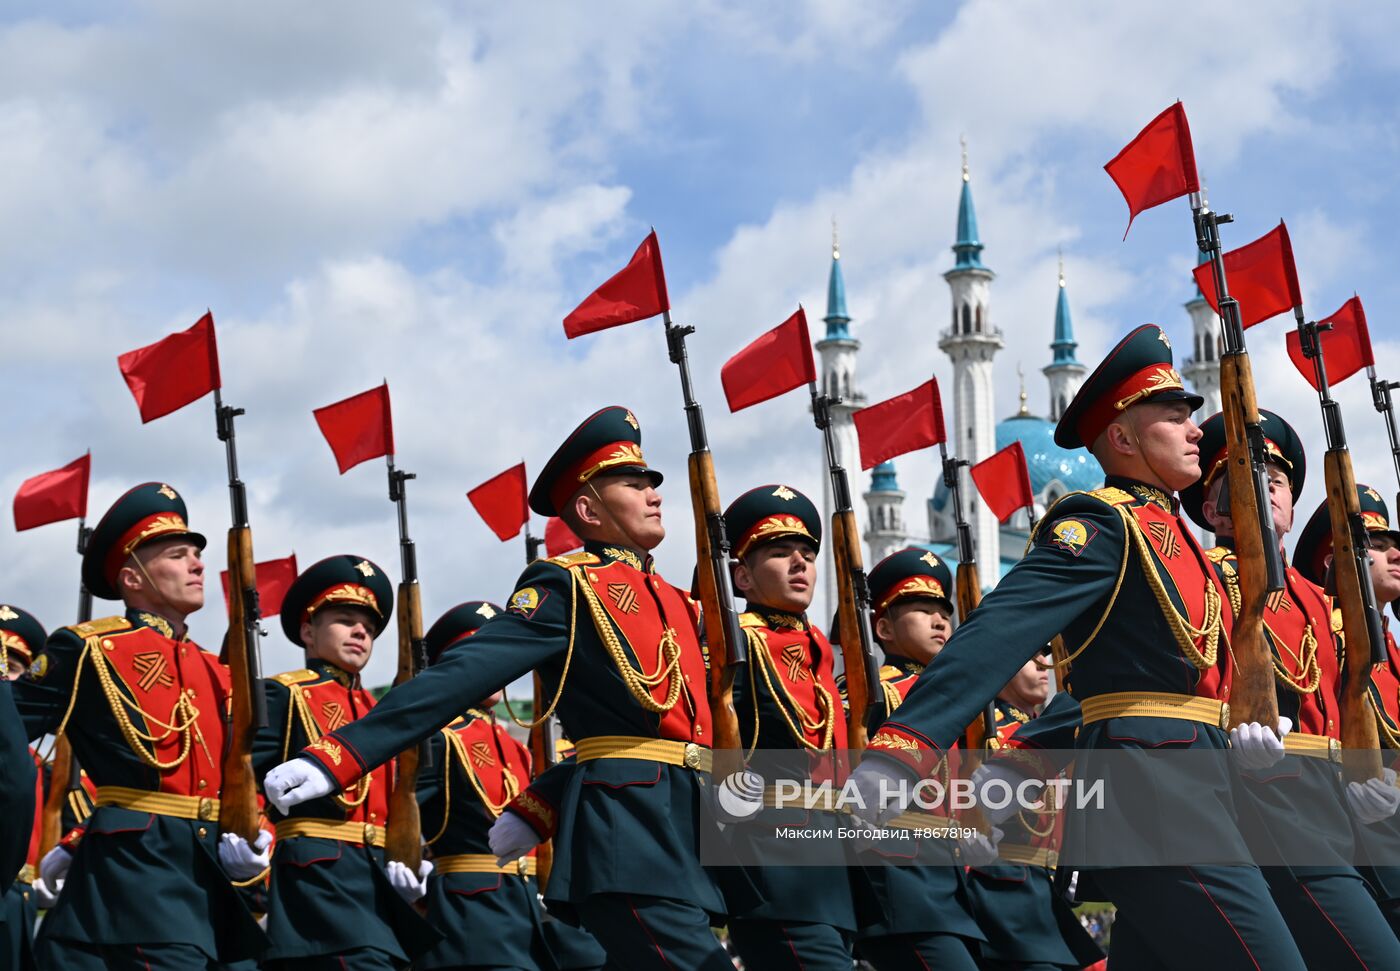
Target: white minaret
[[838, 351], [884, 505], [1202, 368], [1064, 372], [972, 342]]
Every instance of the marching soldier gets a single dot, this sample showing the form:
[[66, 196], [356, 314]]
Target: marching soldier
[[928, 918], [143, 707], [489, 915], [332, 902], [1313, 557], [789, 702], [21, 638], [1333, 916], [1119, 574], [619, 654]]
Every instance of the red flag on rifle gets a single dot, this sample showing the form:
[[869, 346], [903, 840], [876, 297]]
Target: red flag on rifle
[[51, 497], [905, 423], [274, 580], [1004, 481], [774, 364], [173, 371], [501, 501], [559, 538], [359, 428], [1260, 275], [1346, 348], [1157, 166], [635, 292]]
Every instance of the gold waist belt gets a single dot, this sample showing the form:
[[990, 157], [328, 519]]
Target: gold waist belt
[[666, 750], [1156, 704], [483, 863], [802, 799], [1029, 855], [366, 834], [1313, 746], [160, 803], [921, 821], [27, 873]]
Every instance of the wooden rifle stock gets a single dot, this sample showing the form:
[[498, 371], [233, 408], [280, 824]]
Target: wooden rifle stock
[[968, 591], [541, 759], [403, 836], [721, 623], [856, 650], [238, 797], [51, 825]]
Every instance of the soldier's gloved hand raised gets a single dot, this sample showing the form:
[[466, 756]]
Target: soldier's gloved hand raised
[[1255, 746], [410, 887], [242, 861], [885, 787], [511, 838], [1375, 799], [53, 868], [43, 896], [994, 772], [979, 850], [295, 782]]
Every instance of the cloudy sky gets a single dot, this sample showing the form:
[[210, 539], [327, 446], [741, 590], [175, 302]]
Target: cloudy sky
[[420, 192]]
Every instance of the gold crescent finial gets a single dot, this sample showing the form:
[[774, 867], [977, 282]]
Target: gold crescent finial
[[962, 140], [1024, 412]]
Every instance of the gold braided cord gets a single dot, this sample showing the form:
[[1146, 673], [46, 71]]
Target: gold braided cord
[[1389, 736], [893, 699], [825, 726], [446, 788], [135, 738], [1306, 657], [313, 735], [508, 779], [1182, 629], [89, 645], [1112, 599], [638, 683], [541, 718]]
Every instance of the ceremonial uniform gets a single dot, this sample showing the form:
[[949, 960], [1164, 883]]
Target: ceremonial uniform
[[1119, 574], [489, 915], [21, 638], [924, 892], [1299, 804], [788, 702], [144, 711], [329, 902], [619, 656]]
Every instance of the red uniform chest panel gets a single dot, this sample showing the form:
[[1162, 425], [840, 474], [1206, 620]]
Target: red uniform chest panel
[[1295, 616], [332, 705], [802, 661], [645, 609], [493, 756], [1185, 571], [1386, 678], [33, 858], [184, 695]]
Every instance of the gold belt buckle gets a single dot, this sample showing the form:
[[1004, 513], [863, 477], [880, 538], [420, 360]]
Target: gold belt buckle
[[369, 834], [692, 755], [206, 809], [1225, 716], [1334, 750]]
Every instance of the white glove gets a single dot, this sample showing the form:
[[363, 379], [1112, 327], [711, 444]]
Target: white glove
[[1375, 799], [43, 896], [295, 782], [411, 888], [979, 850], [242, 861], [989, 772], [53, 868], [885, 787], [739, 796], [511, 838], [1256, 746]]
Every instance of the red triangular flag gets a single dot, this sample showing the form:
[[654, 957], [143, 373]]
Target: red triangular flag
[[1157, 166], [1004, 482], [173, 371], [1260, 275], [905, 423], [1346, 348], [501, 501], [51, 497], [774, 364], [635, 292], [359, 428], [559, 538], [274, 580]]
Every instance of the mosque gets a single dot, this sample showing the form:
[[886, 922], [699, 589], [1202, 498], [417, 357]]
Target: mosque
[[972, 341]]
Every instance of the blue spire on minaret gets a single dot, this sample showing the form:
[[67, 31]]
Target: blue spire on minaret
[[968, 246], [882, 478], [836, 317], [1064, 343]]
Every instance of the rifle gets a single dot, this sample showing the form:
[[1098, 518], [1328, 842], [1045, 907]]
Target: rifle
[[541, 737], [853, 590], [1380, 397], [728, 651], [1351, 568], [1256, 545], [403, 836], [238, 796]]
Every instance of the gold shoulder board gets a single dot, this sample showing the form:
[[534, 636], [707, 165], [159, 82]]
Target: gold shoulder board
[[289, 678], [1113, 495], [574, 559], [750, 619], [1219, 554], [103, 625], [889, 673]]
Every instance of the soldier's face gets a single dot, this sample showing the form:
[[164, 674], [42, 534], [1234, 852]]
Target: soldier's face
[[342, 635], [1385, 568], [916, 628], [624, 510], [1031, 685], [170, 577], [1280, 500], [1167, 439], [14, 669], [781, 574]]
